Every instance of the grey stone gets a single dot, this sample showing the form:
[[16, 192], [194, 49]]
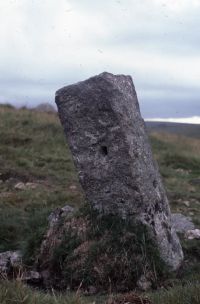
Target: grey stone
[[182, 223], [10, 259], [144, 284], [57, 214], [113, 157], [24, 186], [31, 276], [192, 234], [53, 235]]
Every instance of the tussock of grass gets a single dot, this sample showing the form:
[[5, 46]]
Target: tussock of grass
[[112, 254]]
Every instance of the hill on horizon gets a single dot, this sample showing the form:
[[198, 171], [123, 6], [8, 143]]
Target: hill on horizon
[[183, 129]]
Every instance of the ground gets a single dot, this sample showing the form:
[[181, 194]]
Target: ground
[[37, 175]]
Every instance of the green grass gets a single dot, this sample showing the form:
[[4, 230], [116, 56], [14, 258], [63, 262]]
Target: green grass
[[188, 294], [33, 149], [18, 293]]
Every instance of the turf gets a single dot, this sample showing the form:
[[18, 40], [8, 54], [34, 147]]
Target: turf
[[33, 150]]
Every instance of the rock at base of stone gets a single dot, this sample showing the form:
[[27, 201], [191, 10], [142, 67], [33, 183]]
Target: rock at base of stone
[[11, 266], [193, 234], [10, 260], [83, 247], [182, 223]]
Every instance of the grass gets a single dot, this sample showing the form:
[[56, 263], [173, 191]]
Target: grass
[[18, 293], [188, 294], [33, 149]]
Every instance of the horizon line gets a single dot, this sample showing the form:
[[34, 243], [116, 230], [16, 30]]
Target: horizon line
[[195, 120]]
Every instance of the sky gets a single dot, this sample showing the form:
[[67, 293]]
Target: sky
[[51, 43]]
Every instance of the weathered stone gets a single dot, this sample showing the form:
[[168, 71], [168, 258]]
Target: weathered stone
[[10, 260], [53, 236], [192, 234], [11, 265], [31, 277], [144, 283], [182, 223], [20, 186], [111, 151], [24, 186]]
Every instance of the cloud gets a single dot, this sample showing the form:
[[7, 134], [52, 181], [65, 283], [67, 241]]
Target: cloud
[[49, 43]]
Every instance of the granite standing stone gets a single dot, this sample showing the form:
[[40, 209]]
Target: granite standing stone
[[111, 151]]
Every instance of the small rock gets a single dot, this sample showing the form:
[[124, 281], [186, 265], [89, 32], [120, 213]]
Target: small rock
[[182, 171], [67, 209], [73, 187], [31, 185], [186, 203], [20, 186], [30, 276], [143, 283], [192, 234], [24, 186], [10, 259], [58, 213], [182, 223]]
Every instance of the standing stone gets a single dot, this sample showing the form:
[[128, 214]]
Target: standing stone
[[111, 151]]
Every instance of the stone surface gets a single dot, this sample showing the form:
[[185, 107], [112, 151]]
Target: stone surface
[[20, 186], [24, 186], [11, 265], [192, 234], [31, 276], [113, 157], [53, 236], [9, 260], [182, 223], [144, 283]]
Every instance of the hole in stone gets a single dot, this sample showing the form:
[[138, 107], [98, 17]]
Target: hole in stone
[[135, 188], [157, 207], [104, 150], [155, 183]]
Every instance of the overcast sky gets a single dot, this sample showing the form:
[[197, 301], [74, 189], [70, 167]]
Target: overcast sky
[[51, 43]]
